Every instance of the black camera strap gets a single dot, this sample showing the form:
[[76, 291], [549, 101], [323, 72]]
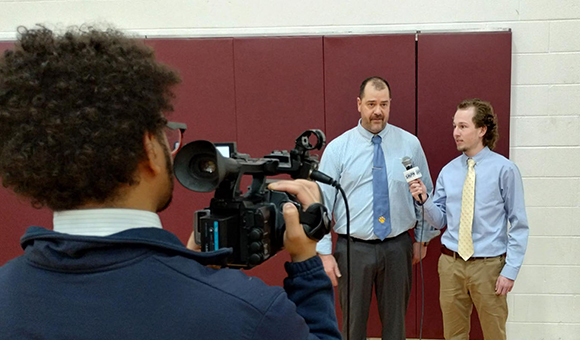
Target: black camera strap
[[315, 221]]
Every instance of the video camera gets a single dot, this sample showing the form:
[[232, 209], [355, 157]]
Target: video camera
[[251, 224]]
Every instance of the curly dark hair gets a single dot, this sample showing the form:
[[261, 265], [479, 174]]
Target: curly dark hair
[[483, 116], [74, 109]]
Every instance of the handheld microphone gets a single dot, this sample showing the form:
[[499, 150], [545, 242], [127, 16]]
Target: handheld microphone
[[412, 173]]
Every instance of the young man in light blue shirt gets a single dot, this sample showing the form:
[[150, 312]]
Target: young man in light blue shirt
[[476, 195]]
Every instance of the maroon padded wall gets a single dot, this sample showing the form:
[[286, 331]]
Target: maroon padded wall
[[287, 97], [348, 60], [263, 92], [453, 67], [279, 95]]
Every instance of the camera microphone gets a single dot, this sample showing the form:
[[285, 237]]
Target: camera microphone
[[412, 173]]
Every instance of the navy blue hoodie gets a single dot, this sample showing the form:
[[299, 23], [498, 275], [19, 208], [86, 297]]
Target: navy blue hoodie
[[144, 284]]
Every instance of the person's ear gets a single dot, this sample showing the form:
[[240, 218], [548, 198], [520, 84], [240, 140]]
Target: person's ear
[[153, 153], [483, 131]]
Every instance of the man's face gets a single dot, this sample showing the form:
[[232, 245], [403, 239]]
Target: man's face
[[468, 138], [374, 108]]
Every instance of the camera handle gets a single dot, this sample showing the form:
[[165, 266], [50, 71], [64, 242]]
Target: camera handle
[[315, 221]]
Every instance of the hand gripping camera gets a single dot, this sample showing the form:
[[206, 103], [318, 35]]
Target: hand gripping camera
[[251, 224]]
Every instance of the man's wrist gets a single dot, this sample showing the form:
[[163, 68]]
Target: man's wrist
[[421, 203], [302, 257]]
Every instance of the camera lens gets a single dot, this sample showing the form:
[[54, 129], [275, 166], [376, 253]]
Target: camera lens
[[207, 166]]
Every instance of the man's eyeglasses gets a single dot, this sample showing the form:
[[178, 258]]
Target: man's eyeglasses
[[174, 132]]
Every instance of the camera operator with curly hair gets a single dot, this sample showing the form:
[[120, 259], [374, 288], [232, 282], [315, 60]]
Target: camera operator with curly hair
[[82, 132]]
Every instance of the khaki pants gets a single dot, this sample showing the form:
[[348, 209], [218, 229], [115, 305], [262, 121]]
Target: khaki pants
[[465, 283]]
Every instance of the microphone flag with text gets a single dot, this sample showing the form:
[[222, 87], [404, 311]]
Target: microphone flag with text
[[412, 172]]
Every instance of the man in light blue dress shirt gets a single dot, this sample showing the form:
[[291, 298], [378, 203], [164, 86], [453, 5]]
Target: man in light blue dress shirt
[[485, 278], [385, 263]]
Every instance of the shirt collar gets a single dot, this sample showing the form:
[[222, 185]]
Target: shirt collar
[[367, 135], [478, 157], [103, 222]]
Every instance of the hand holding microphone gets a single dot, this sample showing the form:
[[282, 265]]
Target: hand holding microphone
[[413, 176]]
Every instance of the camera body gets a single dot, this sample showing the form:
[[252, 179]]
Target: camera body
[[253, 228], [252, 223]]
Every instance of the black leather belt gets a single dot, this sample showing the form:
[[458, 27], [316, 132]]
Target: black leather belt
[[353, 239]]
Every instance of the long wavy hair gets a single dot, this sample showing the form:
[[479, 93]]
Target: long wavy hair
[[483, 116]]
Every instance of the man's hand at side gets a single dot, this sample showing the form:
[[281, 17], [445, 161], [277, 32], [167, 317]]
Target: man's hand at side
[[503, 285], [419, 252], [331, 268]]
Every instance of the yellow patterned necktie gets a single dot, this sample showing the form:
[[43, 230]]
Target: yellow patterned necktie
[[465, 247]]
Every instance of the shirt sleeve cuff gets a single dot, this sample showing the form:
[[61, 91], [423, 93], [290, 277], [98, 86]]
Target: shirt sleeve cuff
[[428, 234], [324, 249], [510, 272], [428, 204], [419, 203]]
